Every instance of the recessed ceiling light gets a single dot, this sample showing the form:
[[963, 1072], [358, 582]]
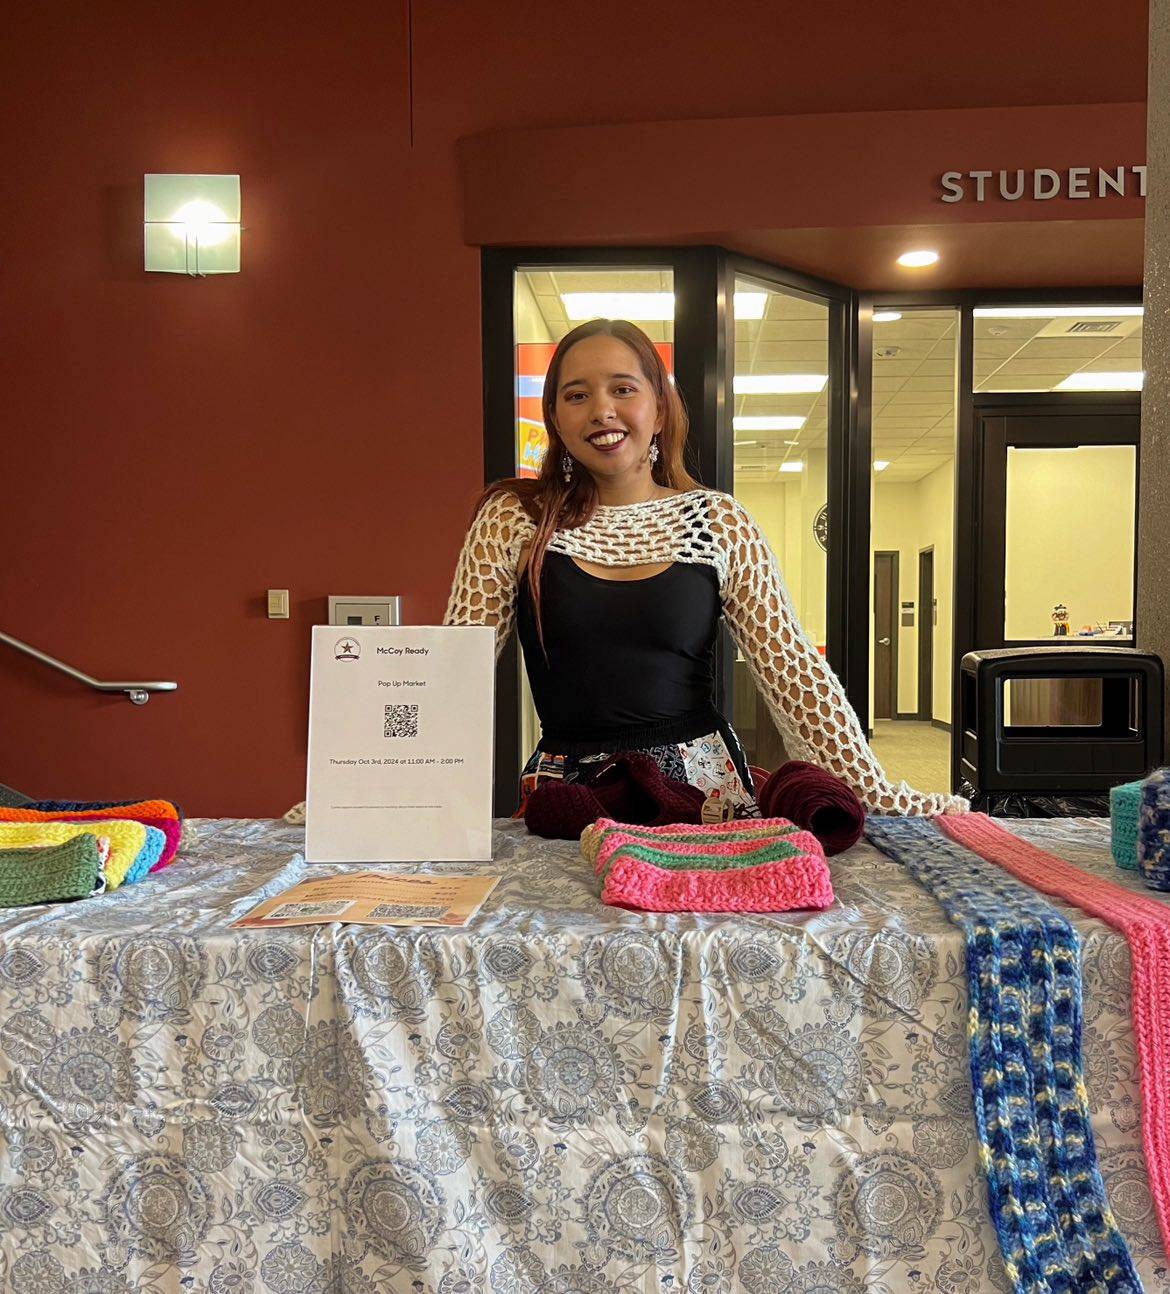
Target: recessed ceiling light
[[747, 442], [780, 383], [763, 422], [920, 257], [1056, 312], [886, 316], [644, 306], [880, 464], [1101, 382], [794, 465]]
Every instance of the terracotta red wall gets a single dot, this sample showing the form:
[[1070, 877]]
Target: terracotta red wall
[[172, 448]]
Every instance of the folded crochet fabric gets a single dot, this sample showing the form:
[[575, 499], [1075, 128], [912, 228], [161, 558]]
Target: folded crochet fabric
[[1124, 802], [782, 871], [595, 833], [51, 874], [171, 828], [1145, 923], [134, 849], [43, 810], [1153, 844], [815, 800], [1056, 1231]]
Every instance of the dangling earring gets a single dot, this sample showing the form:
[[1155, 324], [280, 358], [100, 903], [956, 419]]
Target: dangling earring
[[567, 468], [654, 451]]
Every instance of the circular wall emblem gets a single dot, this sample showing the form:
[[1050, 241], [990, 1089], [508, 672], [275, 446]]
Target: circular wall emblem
[[347, 649], [821, 527]]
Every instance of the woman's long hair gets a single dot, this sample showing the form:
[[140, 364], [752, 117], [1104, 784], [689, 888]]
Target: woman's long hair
[[555, 505]]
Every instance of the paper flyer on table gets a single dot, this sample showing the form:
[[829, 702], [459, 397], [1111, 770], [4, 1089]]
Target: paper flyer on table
[[374, 898], [400, 744]]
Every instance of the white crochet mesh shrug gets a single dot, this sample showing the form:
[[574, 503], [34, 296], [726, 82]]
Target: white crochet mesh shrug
[[803, 695]]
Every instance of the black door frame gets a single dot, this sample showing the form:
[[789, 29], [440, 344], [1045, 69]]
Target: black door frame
[[965, 573], [704, 337], [1050, 426], [847, 442], [703, 344], [698, 358]]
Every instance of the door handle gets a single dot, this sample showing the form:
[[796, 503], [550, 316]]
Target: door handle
[[885, 642]]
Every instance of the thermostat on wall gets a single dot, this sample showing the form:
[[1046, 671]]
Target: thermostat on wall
[[350, 609]]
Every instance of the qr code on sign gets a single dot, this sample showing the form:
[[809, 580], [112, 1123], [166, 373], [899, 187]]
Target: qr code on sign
[[398, 911], [334, 909], [401, 721]]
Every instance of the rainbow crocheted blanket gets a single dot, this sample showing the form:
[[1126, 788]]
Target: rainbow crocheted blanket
[[1046, 1196]]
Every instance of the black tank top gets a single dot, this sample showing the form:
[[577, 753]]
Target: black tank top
[[630, 662]]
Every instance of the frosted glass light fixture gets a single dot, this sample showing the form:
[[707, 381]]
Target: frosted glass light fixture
[[192, 224]]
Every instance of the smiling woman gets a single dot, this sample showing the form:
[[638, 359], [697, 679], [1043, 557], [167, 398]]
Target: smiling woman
[[617, 565]]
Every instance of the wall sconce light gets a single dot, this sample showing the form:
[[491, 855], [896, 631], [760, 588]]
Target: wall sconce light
[[192, 224]]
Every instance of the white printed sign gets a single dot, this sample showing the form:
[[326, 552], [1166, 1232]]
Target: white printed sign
[[400, 744]]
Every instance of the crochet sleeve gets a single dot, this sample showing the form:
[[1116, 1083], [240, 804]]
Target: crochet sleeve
[[803, 695], [484, 588]]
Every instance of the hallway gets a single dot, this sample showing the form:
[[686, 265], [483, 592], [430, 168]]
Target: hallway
[[916, 751]]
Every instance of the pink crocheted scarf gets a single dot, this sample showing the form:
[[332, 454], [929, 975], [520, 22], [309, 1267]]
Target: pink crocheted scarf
[[1145, 923]]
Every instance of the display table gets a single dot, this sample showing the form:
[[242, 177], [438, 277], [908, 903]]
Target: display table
[[564, 1098]]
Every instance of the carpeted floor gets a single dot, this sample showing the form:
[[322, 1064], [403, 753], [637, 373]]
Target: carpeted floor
[[916, 751]]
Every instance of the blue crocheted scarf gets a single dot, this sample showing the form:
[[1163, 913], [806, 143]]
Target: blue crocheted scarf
[[1046, 1196]]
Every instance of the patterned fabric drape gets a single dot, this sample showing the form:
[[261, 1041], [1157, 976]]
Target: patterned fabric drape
[[563, 1099]]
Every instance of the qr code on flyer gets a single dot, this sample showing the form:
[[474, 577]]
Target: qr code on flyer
[[401, 721], [417, 911], [287, 910]]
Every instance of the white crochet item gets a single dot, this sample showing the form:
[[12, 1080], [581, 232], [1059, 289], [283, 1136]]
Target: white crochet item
[[803, 695]]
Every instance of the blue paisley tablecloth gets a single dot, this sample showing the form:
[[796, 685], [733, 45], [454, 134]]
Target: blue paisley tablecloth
[[563, 1099]]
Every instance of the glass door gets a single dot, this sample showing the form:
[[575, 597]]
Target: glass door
[[914, 418], [780, 379], [790, 412], [548, 302], [1057, 567], [761, 359]]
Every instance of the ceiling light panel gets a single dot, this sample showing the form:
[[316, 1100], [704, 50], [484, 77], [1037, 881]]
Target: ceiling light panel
[[750, 422], [779, 383], [1101, 381], [1057, 312]]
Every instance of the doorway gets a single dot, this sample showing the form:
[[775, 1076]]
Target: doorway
[[927, 617], [1055, 565], [885, 635]]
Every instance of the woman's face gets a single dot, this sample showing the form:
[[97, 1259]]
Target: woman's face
[[606, 412]]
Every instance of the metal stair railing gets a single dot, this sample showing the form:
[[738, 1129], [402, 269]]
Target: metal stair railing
[[139, 693]]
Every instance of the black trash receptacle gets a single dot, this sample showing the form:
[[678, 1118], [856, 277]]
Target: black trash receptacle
[[1046, 731]]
